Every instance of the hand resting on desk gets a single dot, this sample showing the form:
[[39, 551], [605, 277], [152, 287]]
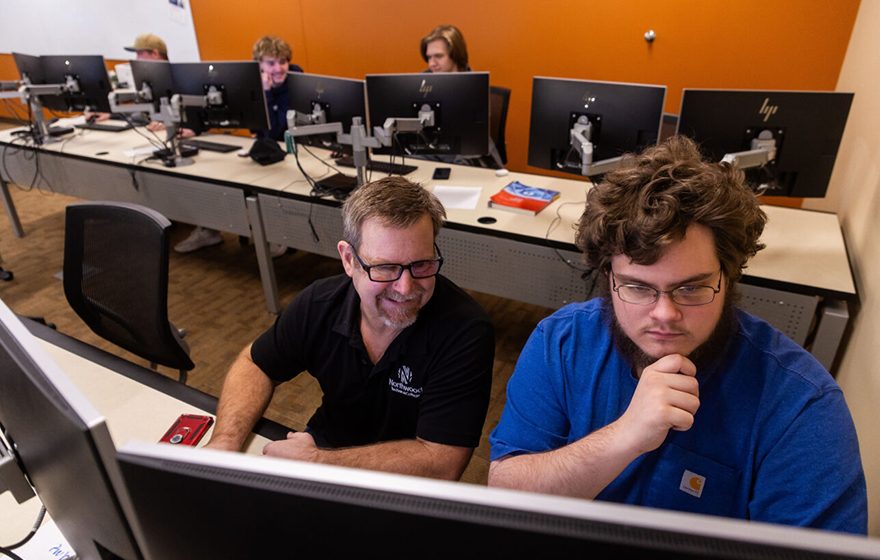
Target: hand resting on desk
[[159, 127]]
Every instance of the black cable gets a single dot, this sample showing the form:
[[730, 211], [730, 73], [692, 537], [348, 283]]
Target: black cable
[[10, 554], [313, 192], [557, 220], [330, 165]]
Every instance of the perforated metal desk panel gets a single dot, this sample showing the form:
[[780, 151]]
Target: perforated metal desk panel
[[74, 168]]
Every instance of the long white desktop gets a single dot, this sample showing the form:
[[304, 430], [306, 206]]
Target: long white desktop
[[516, 256]]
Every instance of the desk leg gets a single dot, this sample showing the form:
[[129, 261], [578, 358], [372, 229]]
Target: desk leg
[[264, 259], [832, 322], [10, 209]]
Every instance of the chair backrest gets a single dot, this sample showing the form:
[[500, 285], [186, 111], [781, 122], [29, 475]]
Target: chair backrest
[[499, 99], [116, 278]]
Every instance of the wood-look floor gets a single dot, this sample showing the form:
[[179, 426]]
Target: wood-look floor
[[216, 295]]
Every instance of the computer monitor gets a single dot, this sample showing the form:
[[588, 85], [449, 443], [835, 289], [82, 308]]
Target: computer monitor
[[237, 88], [800, 132], [614, 117], [199, 503], [154, 75], [63, 445], [327, 99], [30, 68], [458, 104], [88, 74]]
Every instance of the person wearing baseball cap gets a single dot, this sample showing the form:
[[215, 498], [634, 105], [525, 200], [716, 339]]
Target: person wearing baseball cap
[[149, 47]]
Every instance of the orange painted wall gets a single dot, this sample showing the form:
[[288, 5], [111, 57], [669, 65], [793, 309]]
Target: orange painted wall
[[784, 44]]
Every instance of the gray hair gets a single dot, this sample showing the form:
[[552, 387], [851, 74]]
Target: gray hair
[[396, 202]]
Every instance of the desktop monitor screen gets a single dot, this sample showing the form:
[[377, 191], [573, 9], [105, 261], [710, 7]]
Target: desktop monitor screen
[[157, 75], [806, 127], [460, 102], [340, 99], [243, 103], [63, 446], [90, 75], [623, 117], [198, 503]]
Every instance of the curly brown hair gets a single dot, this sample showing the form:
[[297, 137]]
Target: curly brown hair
[[650, 200]]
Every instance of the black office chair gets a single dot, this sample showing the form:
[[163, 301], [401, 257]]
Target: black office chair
[[499, 100], [116, 279]]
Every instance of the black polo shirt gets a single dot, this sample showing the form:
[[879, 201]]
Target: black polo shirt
[[432, 382]]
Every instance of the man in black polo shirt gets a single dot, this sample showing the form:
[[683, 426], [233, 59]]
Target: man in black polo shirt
[[403, 356]]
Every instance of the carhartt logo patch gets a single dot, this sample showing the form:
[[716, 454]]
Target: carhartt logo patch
[[692, 483]]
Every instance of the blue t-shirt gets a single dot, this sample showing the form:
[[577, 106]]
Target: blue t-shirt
[[773, 439]]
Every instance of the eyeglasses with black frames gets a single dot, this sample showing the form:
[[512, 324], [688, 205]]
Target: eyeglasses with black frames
[[682, 295], [391, 272]]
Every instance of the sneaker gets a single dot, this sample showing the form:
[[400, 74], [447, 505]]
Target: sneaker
[[200, 237], [276, 250]]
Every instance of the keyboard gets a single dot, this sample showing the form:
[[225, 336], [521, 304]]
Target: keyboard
[[209, 146], [104, 127], [379, 166]]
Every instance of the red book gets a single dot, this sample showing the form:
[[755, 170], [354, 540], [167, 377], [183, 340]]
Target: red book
[[517, 197]]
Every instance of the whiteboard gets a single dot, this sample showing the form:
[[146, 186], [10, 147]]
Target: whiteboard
[[76, 27]]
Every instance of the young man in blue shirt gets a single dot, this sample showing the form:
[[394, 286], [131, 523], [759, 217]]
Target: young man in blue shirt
[[661, 393]]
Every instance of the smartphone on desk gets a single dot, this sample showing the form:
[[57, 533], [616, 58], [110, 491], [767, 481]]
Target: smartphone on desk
[[442, 173], [188, 429]]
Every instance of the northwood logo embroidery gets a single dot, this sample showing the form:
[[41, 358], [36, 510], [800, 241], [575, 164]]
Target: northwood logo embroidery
[[404, 375]]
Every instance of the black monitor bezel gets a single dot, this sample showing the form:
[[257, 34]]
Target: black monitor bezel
[[158, 74], [810, 126], [243, 90], [91, 73], [328, 510], [401, 95], [631, 118], [63, 445]]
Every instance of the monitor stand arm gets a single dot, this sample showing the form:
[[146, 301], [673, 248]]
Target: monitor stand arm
[[30, 95], [580, 141], [11, 476], [763, 151], [170, 114], [299, 124], [393, 125], [128, 103]]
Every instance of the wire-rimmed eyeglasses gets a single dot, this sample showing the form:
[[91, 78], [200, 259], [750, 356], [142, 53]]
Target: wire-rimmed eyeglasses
[[683, 295]]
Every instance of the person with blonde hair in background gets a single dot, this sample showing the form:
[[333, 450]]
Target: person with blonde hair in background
[[273, 54]]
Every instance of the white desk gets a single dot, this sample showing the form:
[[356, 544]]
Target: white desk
[[517, 257], [134, 411]]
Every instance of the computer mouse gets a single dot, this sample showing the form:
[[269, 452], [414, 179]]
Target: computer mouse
[[501, 173], [244, 152]]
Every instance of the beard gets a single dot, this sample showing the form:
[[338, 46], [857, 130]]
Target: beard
[[703, 356], [400, 317]]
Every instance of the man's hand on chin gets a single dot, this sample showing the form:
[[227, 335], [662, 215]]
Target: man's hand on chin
[[299, 446]]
